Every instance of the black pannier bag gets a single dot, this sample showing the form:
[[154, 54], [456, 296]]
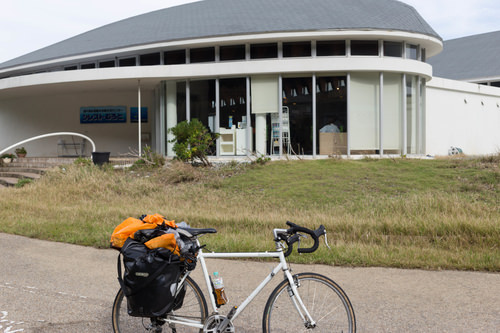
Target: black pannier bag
[[150, 279]]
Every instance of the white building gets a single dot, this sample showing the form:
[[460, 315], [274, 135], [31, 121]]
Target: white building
[[277, 77]]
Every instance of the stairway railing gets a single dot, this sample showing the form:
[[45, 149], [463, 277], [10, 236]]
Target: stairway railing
[[49, 135]]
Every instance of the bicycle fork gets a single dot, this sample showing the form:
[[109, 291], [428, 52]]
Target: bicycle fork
[[297, 301]]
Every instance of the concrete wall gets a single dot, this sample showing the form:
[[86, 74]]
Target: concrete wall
[[22, 118], [463, 115]]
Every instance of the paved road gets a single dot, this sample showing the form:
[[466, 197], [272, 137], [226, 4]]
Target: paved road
[[54, 287]]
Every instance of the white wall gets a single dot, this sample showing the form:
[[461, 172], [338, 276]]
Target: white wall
[[463, 115], [22, 118]]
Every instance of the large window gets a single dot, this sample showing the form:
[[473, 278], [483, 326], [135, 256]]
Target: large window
[[150, 59], [176, 57], [88, 65], [297, 49], [126, 62], [202, 104], [297, 116], [393, 49], [331, 115], [364, 47], [411, 51], [330, 48], [106, 64], [262, 51], [205, 54], [233, 120], [232, 52]]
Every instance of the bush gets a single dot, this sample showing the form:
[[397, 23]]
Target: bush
[[82, 161], [23, 181], [192, 142]]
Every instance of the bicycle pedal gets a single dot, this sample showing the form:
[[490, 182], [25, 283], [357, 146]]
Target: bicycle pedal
[[232, 312]]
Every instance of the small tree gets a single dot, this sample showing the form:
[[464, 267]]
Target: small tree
[[192, 141]]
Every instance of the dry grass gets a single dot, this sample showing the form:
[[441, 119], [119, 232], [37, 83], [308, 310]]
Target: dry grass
[[399, 213]]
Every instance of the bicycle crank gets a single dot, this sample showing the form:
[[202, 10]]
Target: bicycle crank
[[214, 322]]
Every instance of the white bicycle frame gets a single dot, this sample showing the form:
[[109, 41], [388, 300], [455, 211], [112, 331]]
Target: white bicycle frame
[[282, 265]]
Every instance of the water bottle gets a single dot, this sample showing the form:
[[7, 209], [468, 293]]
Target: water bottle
[[219, 289]]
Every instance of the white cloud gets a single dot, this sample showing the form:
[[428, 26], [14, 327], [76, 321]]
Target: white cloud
[[453, 19], [28, 25]]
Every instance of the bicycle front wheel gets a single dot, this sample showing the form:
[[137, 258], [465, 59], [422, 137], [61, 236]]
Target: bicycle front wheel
[[325, 301], [194, 308]]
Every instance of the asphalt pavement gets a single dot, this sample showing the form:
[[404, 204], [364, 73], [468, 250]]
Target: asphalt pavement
[[55, 287]]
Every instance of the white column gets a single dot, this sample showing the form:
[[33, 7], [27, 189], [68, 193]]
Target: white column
[[171, 94], [419, 118], [188, 100], [405, 119], [280, 110], [260, 133], [381, 114], [315, 134], [348, 86], [139, 115], [249, 119], [217, 115]]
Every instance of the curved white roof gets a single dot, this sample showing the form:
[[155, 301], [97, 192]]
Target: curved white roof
[[212, 18]]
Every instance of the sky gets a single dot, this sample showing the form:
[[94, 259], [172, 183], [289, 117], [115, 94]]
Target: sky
[[28, 25]]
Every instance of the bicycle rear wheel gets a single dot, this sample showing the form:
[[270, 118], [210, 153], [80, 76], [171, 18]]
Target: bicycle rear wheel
[[194, 307], [327, 303]]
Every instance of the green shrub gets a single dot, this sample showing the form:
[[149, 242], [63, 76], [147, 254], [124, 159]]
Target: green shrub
[[192, 142], [23, 181], [82, 161]]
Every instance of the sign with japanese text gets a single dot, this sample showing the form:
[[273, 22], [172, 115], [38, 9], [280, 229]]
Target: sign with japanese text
[[103, 114]]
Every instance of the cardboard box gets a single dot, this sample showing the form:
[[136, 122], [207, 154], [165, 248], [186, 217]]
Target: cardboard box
[[332, 143]]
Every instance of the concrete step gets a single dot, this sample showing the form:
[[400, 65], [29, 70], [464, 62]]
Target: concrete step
[[19, 174], [39, 171], [40, 162], [11, 178], [34, 167], [8, 181]]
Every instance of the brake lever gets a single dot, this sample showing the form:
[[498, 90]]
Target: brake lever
[[298, 241], [326, 242]]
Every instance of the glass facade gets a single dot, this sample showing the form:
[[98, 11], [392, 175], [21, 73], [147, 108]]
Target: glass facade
[[297, 127], [331, 115], [358, 114]]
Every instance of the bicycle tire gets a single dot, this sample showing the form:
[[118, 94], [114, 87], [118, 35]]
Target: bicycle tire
[[327, 303], [193, 307]]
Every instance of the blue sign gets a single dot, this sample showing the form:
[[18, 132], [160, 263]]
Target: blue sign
[[103, 114], [134, 114]]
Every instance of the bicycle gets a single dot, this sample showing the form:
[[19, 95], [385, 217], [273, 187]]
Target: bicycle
[[321, 305]]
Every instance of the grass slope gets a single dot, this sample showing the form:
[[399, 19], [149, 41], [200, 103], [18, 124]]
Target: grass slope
[[433, 214]]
